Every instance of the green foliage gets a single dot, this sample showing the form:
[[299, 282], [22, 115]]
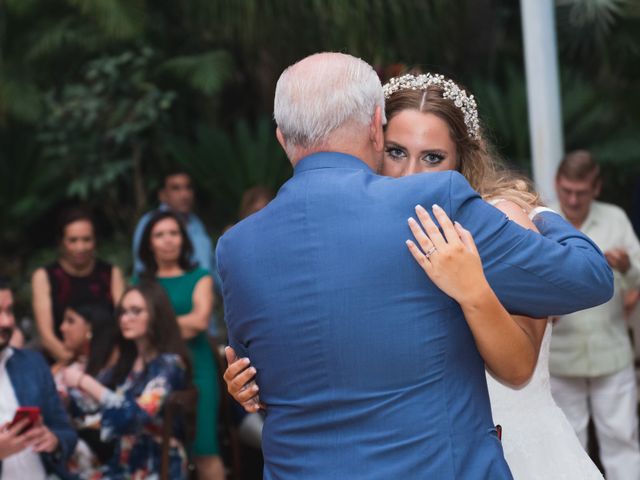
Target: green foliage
[[225, 165], [206, 72], [273, 34], [20, 99], [119, 19], [30, 185], [100, 127], [95, 95]]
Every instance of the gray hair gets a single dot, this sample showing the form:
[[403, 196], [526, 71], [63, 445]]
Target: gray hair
[[323, 92]]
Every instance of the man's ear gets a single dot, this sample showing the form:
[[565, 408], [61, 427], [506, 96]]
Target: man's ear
[[597, 187], [376, 133], [281, 139]]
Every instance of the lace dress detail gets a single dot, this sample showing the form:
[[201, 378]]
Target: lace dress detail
[[538, 441]]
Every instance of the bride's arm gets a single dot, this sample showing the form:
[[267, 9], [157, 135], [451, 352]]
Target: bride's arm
[[533, 327], [509, 348]]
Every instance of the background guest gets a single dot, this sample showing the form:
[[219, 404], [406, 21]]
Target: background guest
[[152, 363], [77, 276], [591, 358], [177, 195], [89, 331], [25, 380], [165, 250], [253, 200]]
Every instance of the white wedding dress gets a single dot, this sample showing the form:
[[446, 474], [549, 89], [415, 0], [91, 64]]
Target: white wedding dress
[[538, 441]]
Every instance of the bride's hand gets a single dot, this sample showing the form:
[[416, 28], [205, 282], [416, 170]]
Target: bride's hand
[[240, 379], [451, 261]]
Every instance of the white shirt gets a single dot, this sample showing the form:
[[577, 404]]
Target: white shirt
[[595, 342], [26, 464]]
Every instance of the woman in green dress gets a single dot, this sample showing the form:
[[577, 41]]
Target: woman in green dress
[[165, 250]]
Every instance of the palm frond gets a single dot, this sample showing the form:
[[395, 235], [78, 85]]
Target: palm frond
[[599, 14], [587, 26], [60, 36]]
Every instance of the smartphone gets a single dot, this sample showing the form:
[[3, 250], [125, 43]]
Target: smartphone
[[32, 413]]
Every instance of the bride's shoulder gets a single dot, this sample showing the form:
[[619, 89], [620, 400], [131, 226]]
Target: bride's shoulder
[[514, 211]]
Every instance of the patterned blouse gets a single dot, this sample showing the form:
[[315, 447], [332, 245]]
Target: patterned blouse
[[85, 414], [133, 414]]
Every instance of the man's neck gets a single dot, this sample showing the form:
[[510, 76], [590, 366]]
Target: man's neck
[[350, 140], [186, 217]]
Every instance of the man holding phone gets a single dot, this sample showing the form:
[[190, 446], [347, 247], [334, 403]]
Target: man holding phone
[[36, 437]]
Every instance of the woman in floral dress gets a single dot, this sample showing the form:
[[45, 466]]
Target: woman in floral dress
[[153, 363]]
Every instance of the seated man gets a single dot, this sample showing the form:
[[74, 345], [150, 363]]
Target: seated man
[[29, 452]]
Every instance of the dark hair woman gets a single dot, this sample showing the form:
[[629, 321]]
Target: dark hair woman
[[77, 276], [165, 250], [89, 332]]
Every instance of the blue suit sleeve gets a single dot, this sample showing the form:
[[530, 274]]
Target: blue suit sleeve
[[558, 272]]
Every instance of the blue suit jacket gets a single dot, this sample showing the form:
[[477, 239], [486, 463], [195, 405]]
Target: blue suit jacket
[[34, 387], [368, 370]]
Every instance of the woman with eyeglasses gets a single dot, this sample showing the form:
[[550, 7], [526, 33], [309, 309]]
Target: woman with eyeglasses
[[153, 362]]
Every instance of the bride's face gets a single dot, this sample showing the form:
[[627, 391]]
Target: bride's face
[[417, 142]]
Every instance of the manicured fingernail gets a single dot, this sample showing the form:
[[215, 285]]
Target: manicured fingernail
[[245, 361], [436, 207], [420, 208], [252, 370], [410, 220]]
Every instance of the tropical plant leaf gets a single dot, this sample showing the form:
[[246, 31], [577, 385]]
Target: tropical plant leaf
[[19, 97], [225, 165], [52, 37], [206, 72]]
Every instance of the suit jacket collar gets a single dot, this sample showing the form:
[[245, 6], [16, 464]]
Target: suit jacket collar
[[19, 378], [330, 160]]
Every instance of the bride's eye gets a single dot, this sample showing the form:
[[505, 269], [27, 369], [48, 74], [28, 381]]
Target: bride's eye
[[394, 152], [433, 158]]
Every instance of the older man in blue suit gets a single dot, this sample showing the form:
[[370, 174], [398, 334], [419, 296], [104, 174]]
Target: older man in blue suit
[[369, 371], [25, 380]]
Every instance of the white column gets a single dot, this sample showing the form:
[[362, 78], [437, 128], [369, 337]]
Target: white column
[[543, 92]]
